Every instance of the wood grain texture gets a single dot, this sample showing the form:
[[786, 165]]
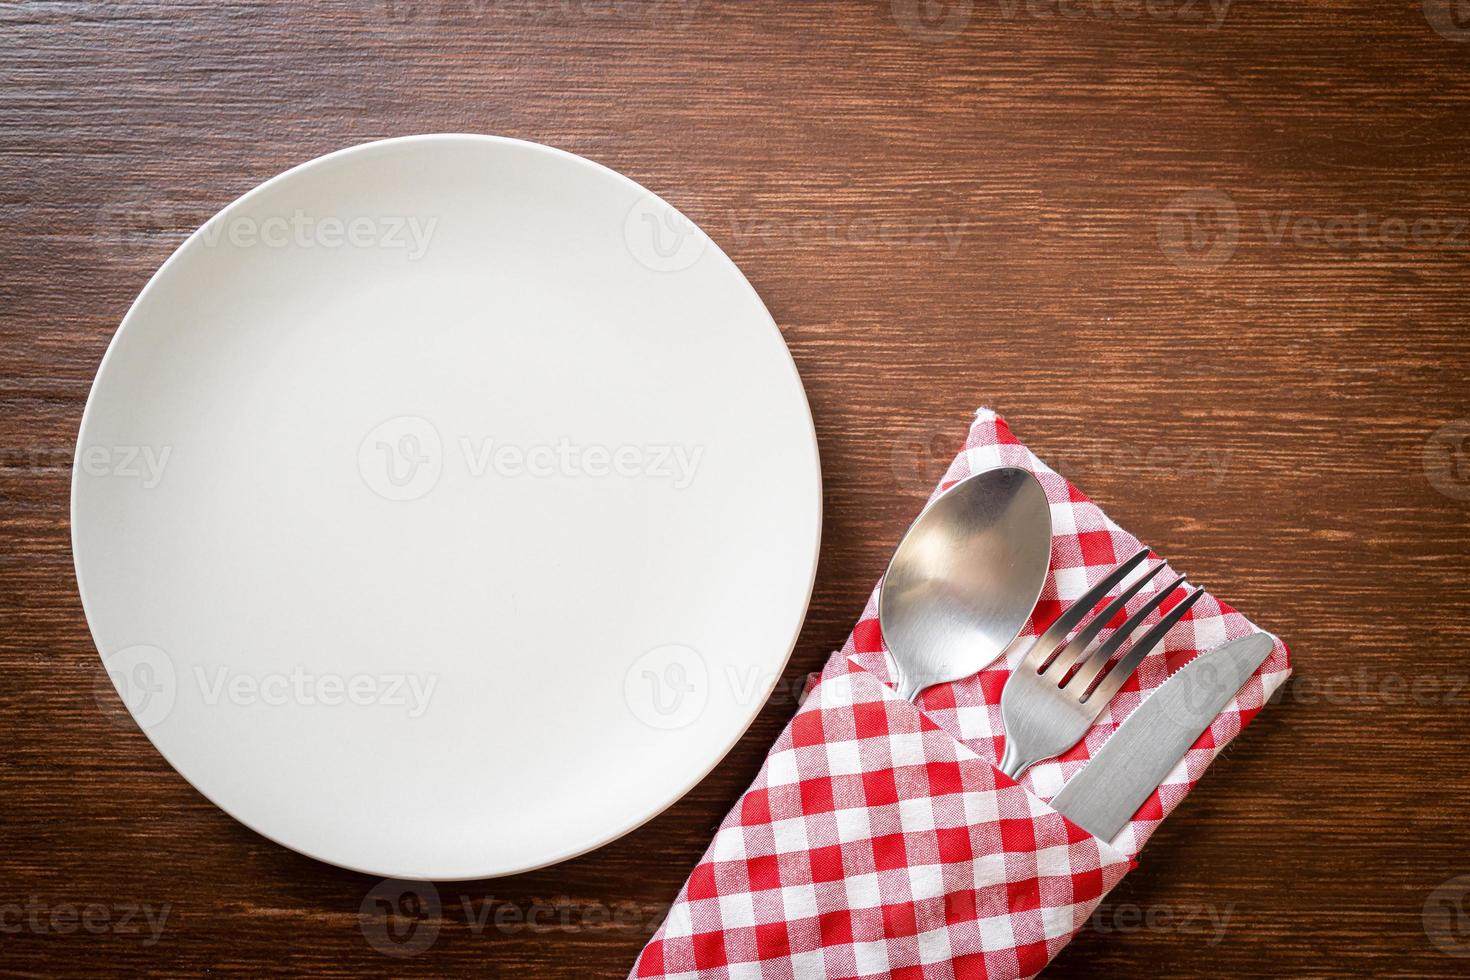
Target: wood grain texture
[[1097, 218]]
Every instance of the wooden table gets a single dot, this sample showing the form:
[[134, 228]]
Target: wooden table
[[1210, 260]]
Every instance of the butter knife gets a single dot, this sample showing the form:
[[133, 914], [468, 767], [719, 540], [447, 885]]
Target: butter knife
[[1149, 744]]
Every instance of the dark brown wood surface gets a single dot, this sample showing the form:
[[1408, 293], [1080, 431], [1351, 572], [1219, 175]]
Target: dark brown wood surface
[[1210, 260]]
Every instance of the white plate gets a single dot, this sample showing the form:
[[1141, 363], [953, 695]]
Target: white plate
[[446, 507]]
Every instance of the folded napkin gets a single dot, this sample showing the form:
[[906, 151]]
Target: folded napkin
[[879, 839]]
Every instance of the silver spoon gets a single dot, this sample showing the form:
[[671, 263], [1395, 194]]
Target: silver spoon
[[965, 578]]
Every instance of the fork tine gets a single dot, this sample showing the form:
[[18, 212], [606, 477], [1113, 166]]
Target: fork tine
[[1077, 646], [1047, 643], [1124, 668], [1093, 665]]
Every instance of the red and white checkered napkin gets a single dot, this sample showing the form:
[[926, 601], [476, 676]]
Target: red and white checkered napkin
[[879, 840]]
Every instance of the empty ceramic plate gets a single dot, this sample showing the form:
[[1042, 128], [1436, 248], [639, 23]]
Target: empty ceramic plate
[[446, 507]]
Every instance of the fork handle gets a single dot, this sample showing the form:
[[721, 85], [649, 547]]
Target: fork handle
[[1011, 764]]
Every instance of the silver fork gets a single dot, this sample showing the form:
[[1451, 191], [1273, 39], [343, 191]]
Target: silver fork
[[1044, 710]]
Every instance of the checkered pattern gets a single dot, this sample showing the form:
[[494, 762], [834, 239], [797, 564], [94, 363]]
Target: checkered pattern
[[878, 839]]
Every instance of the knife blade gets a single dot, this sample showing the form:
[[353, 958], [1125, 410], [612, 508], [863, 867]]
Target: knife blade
[[1141, 752]]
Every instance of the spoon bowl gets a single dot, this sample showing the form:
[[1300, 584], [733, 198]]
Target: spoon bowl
[[965, 578]]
